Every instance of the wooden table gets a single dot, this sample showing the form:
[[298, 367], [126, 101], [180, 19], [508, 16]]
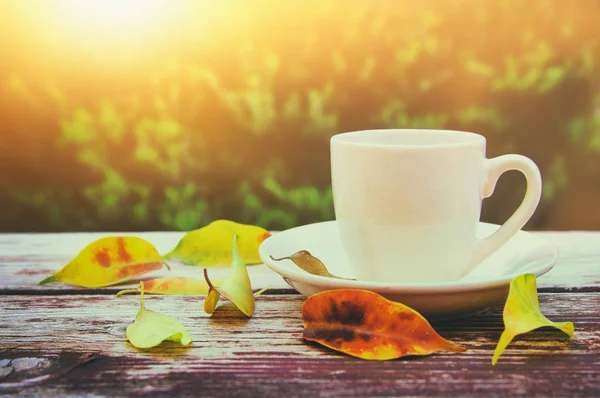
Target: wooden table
[[59, 340]]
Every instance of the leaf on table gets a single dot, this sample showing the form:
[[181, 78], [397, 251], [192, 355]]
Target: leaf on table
[[210, 246], [108, 261], [235, 287], [368, 326], [178, 285], [152, 328], [309, 263], [174, 285], [522, 313]]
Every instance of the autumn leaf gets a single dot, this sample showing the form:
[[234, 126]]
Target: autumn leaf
[[235, 287], [152, 328], [178, 285], [174, 285], [368, 326], [309, 263], [522, 313], [108, 261], [210, 246]]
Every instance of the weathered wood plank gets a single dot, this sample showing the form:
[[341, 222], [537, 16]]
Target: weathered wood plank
[[234, 356], [25, 259], [578, 265]]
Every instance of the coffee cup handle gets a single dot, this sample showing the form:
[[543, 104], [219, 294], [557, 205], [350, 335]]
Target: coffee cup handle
[[494, 169]]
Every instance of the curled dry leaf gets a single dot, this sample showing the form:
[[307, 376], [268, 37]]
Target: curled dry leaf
[[522, 313], [210, 246], [309, 263], [368, 326], [108, 261], [235, 287], [152, 328], [174, 285]]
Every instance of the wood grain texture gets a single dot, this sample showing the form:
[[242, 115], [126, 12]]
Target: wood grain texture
[[59, 340], [265, 355], [25, 259], [578, 265]]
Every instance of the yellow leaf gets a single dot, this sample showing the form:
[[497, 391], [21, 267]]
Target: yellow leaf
[[210, 246], [235, 287], [174, 285], [152, 328], [261, 291], [211, 301], [108, 261], [522, 313], [366, 325]]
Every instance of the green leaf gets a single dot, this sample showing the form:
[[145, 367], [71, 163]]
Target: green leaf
[[522, 313], [152, 328], [235, 287]]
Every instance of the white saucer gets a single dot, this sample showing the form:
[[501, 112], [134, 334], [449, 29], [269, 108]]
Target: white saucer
[[487, 285]]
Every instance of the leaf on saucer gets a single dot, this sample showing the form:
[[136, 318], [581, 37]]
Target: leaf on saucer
[[309, 263], [210, 246], [174, 285], [108, 261], [522, 313], [366, 325], [152, 328], [235, 287]]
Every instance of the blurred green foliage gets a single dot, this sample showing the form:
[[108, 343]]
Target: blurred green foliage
[[228, 113]]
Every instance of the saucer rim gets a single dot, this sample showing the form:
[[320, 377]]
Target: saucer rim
[[415, 288]]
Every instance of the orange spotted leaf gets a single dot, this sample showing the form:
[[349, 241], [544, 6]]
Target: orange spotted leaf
[[108, 261], [368, 326]]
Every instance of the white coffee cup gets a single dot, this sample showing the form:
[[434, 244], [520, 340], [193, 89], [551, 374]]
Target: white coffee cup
[[408, 202]]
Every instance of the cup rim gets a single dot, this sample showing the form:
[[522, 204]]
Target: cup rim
[[468, 138]]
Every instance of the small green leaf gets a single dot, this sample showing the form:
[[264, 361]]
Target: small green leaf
[[235, 287], [152, 328], [522, 313]]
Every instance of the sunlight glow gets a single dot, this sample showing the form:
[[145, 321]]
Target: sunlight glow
[[122, 16]]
